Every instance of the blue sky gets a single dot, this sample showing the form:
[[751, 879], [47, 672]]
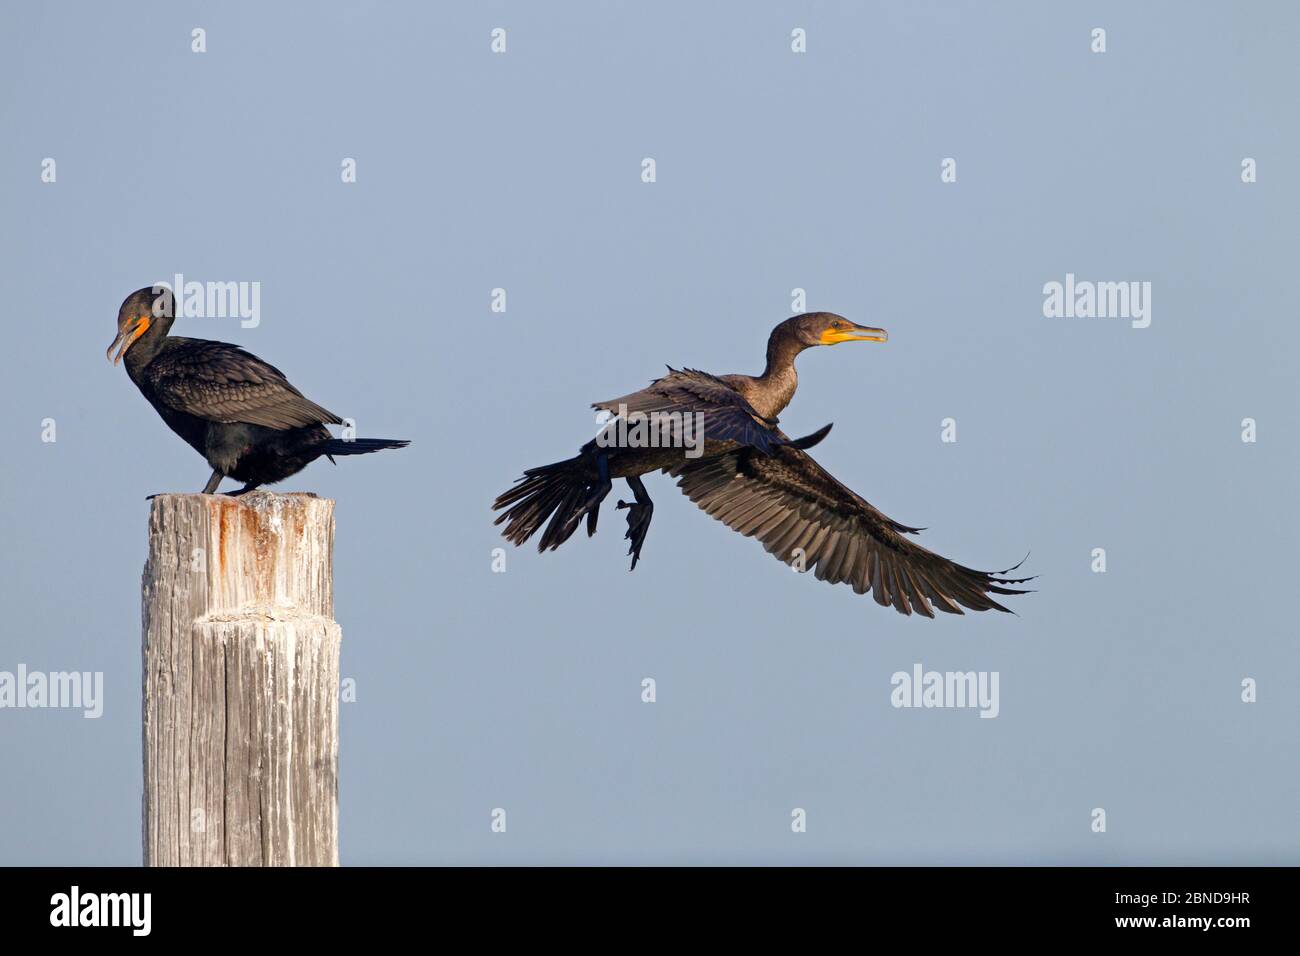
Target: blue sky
[[775, 171]]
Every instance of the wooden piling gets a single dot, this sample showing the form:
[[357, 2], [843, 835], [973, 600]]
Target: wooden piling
[[241, 682]]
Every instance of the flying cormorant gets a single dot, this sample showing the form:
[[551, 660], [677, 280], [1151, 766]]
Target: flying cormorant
[[751, 476], [235, 410]]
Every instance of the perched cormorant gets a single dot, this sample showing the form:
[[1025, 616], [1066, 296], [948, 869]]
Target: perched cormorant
[[235, 410], [751, 476]]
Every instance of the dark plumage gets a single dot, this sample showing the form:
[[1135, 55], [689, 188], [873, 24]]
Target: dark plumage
[[756, 480], [235, 410]]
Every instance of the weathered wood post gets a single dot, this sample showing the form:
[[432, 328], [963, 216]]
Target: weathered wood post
[[241, 682]]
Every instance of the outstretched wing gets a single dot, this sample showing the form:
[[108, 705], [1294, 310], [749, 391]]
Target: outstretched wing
[[727, 416], [797, 509], [223, 383]]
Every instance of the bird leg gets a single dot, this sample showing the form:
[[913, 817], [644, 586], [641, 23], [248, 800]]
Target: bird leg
[[638, 517], [591, 504], [244, 490], [208, 489]]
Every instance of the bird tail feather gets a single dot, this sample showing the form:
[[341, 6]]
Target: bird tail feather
[[554, 491], [361, 446]]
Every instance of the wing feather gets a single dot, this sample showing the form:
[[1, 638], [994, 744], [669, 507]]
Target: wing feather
[[726, 414], [794, 507], [220, 382]]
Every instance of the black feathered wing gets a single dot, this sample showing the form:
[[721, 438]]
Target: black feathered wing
[[221, 382], [799, 511], [727, 416]]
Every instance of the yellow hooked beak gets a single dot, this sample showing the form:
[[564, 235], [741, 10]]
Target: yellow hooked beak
[[853, 333], [131, 330]]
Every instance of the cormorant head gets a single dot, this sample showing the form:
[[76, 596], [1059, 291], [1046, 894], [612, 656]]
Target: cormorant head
[[143, 309], [827, 328]]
